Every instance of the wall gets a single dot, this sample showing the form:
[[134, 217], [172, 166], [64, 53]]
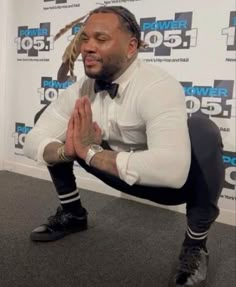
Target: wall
[[194, 41], [3, 24]]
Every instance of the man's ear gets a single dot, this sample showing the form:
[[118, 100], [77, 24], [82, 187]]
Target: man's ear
[[132, 48]]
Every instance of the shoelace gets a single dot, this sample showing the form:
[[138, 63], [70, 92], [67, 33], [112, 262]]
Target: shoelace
[[189, 259], [60, 218]]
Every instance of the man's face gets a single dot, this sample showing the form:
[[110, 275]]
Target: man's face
[[104, 47]]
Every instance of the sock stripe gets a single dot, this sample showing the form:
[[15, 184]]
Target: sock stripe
[[69, 197], [68, 194], [196, 238], [197, 235], [70, 200]]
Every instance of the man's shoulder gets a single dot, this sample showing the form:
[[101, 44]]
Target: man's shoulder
[[83, 84], [151, 72], [150, 68]]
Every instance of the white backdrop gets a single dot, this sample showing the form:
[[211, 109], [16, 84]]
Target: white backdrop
[[194, 40]]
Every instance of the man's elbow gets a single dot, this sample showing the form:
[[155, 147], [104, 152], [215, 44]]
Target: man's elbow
[[28, 146], [180, 173]]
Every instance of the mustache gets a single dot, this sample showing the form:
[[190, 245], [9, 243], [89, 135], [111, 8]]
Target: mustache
[[91, 56]]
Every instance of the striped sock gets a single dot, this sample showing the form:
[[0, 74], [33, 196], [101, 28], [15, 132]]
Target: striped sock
[[195, 238], [71, 202]]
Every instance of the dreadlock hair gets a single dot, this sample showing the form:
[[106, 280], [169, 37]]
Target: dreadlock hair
[[71, 52], [128, 23]]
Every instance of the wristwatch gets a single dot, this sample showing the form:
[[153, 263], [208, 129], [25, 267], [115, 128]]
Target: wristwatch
[[94, 148]]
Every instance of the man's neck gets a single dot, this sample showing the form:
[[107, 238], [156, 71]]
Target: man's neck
[[124, 69]]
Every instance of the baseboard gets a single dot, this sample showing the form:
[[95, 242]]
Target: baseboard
[[87, 181], [1, 164]]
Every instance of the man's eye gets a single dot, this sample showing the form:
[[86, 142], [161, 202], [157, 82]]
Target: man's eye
[[83, 38], [101, 39]]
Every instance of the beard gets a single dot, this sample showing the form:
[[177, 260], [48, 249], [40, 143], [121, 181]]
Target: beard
[[108, 70]]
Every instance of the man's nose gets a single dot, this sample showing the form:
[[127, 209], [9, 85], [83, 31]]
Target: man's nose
[[89, 45]]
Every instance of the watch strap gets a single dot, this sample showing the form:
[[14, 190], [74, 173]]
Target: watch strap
[[94, 149]]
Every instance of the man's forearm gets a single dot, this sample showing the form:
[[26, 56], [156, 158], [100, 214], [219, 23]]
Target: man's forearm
[[105, 161]]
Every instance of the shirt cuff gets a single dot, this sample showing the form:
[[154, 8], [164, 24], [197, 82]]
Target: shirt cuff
[[41, 148], [126, 175]]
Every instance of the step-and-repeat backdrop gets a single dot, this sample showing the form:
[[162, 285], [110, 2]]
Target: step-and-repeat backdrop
[[194, 40]]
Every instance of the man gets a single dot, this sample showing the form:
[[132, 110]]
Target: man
[[126, 123]]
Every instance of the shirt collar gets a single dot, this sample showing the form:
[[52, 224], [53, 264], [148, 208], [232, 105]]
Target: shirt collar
[[125, 78]]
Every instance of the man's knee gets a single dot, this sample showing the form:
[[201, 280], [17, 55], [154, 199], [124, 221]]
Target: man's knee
[[205, 132]]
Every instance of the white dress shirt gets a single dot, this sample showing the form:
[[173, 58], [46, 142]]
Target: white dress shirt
[[146, 123]]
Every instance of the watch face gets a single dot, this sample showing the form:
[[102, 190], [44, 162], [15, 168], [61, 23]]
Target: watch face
[[96, 147]]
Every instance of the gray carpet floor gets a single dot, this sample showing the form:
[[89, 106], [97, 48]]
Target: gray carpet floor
[[128, 244]]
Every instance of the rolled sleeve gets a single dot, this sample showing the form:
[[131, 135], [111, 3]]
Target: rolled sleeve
[[42, 145], [122, 159]]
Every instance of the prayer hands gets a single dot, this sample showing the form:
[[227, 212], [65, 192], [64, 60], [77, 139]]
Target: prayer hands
[[82, 131]]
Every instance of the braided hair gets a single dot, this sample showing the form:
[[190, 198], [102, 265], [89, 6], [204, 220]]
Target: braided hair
[[127, 21], [71, 52]]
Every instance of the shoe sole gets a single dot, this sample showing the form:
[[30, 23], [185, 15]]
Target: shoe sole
[[202, 284], [56, 235]]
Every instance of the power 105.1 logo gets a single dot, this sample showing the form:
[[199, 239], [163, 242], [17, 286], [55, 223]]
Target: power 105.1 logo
[[19, 135], [164, 35], [230, 32], [50, 89], [31, 41], [230, 169], [214, 101]]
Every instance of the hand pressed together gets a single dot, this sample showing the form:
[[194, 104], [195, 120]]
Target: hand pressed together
[[82, 131]]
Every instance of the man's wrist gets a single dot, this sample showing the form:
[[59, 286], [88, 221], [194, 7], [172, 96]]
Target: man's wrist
[[62, 156], [93, 149]]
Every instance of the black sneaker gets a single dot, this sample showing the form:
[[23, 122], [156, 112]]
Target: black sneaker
[[59, 225], [192, 270]]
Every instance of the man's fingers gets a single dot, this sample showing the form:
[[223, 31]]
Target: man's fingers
[[97, 133], [70, 128], [76, 120], [96, 127], [81, 108], [71, 123], [77, 103], [87, 109], [83, 105], [83, 125]]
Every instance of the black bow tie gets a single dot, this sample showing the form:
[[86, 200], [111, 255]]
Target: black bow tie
[[111, 88]]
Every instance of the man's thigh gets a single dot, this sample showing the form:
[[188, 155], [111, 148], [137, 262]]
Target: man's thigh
[[165, 196]]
